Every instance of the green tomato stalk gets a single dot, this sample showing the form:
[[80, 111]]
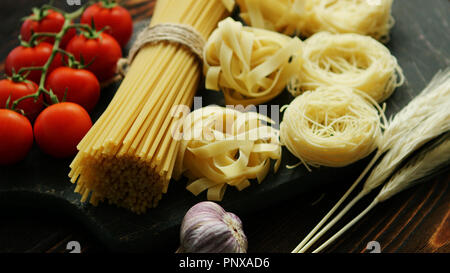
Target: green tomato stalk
[[109, 4], [34, 40]]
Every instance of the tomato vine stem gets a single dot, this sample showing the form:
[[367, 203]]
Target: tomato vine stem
[[109, 4], [68, 18]]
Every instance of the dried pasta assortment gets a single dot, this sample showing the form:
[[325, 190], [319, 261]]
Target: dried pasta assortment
[[250, 65], [223, 146], [306, 17], [333, 126], [350, 60], [129, 154]]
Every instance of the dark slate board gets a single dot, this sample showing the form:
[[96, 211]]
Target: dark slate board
[[421, 42]]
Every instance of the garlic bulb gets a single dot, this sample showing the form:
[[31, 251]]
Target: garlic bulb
[[208, 228]]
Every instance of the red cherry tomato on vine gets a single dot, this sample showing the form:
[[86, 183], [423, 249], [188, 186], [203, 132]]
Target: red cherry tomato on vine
[[16, 137], [116, 18], [51, 22], [22, 56], [77, 85], [60, 127], [17, 90], [103, 52]]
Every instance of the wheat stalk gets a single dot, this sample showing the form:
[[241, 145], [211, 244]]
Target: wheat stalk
[[422, 165], [429, 129], [428, 103], [417, 110]]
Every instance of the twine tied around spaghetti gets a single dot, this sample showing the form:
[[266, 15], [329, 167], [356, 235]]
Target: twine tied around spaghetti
[[184, 35]]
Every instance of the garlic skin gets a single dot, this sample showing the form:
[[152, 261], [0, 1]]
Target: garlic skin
[[208, 228]]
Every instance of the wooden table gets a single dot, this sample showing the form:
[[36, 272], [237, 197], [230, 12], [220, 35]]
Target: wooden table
[[416, 220]]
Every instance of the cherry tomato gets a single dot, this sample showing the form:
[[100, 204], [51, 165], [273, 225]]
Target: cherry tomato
[[103, 52], [17, 90], [79, 85], [116, 18], [22, 56], [52, 22], [16, 137], [60, 127]]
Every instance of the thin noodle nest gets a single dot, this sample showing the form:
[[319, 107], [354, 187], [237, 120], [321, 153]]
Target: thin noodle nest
[[225, 147], [250, 66], [307, 17], [365, 17], [349, 60], [331, 127]]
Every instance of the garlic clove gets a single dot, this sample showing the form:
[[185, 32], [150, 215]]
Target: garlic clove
[[235, 226], [208, 228]]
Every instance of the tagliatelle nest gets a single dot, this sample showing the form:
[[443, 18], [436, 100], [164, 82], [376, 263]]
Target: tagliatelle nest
[[223, 146], [250, 65]]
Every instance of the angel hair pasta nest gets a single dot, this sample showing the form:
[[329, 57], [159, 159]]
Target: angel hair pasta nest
[[332, 126]]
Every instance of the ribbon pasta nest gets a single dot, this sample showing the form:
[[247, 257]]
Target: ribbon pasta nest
[[250, 65], [223, 146], [350, 60], [332, 127]]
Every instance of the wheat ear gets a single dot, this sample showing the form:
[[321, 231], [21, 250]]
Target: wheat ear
[[426, 104], [422, 165], [430, 128]]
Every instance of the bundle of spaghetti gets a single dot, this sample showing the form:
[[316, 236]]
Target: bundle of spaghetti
[[224, 146], [129, 154], [351, 60], [306, 17], [332, 126], [251, 66]]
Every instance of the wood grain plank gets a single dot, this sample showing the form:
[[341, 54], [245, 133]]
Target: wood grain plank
[[402, 216], [139, 9], [430, 234], [439, 241], [420, 213], [409, 213]]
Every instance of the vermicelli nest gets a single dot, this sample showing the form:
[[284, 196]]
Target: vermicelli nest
[[331, 127], [349, 60], [223, 147], [365, 17], [306, 17], [250, 65]]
